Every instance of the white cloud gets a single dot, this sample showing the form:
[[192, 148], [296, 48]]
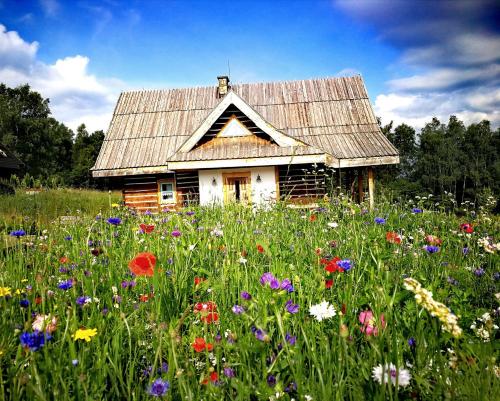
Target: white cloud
[[76, 96], [471, 106]]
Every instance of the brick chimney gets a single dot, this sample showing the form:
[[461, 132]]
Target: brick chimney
[[223, 85]]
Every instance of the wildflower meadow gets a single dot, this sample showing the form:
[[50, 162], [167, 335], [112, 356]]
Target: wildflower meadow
[[331, 303]]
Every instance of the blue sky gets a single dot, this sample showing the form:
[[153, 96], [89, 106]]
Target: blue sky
[[418, 59]]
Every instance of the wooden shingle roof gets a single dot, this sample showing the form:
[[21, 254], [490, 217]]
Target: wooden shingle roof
[[333, 115]]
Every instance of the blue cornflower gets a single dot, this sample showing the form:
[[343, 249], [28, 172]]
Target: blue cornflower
[[190, 213], [24, 303], [74, 362], [17, 233], [465, 251], [496, 276], [114, 221], [416, 210], [159, 388], [34, 341], [479, 272], [65, 285], [345, 264], [379, 220], [83, 300], [431, 248], [68, 238], [412, 342]]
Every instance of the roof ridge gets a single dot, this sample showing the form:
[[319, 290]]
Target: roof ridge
[[244, 83]]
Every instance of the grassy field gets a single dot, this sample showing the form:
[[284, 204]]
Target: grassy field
[[238, 304]]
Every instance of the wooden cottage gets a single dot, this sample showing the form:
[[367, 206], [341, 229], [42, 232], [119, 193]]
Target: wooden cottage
[[251, 143], [9, 163]]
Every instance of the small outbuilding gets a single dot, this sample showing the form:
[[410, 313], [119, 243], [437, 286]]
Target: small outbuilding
[[251, 143], [9, 163]]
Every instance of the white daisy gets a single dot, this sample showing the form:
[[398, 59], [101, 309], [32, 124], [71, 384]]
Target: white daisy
[[388, 372], [322, 311]]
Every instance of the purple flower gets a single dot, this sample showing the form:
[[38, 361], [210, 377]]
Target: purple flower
[[17, 233], [286, 284], [416, 210], [290, 339], [237, 309], [412, 342], [271, 380], [260, 334], [291, 387], [266, 278], [114, 221], [465, 251], [379, 220], [74, 362], [431, 248], [65, 285], [452, 281], [176, 233], [496, 276], [274, 284], [479, 272], [189, 213], [228, 372], [163, 368], [246, 296], [34, 341], [291, 307], [159, 388], [68, 238]]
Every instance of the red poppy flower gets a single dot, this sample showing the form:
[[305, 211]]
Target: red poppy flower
[[63, 260], [145, 297], [318, 251], [467, 228], [199, 345], [260, 248], [146, 228], [393, 237], [313, 217], [143, 264], [198, 280], [331, 265], [328, 283], [205, 306], [214, 376], [38, 300]]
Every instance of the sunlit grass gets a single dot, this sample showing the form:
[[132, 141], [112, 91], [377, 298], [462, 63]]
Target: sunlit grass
[[140, 327]]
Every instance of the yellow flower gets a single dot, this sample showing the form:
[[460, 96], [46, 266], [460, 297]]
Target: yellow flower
[[115, 205], [4, 291], [84, 334]]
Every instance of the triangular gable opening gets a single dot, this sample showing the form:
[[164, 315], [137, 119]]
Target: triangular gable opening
[[233, 123], [253, 121]]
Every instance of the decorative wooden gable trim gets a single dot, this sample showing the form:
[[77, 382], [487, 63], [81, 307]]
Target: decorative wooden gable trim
[[232, 98], [233, 128]]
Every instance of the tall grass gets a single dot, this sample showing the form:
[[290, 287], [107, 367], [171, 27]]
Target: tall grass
[[141, 327]]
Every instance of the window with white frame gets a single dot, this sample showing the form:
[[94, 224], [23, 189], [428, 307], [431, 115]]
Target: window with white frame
[[167, 192]]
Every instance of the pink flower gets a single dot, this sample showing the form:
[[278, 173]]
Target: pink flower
[[369, 323]]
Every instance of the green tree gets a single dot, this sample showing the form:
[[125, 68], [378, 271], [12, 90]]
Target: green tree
[[85, 151], [42, 143]]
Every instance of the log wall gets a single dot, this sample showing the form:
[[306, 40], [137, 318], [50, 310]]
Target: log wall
[[141, 193]]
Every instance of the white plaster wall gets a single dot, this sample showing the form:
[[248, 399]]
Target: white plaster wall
[[262, 192]]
